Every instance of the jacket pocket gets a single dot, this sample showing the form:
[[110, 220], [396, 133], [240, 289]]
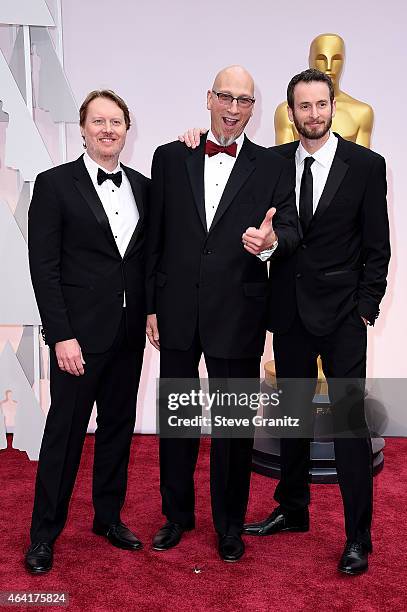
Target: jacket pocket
[[338, 272], [255, 289]]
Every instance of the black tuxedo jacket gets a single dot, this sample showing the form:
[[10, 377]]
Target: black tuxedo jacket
[[206, 278], [342, 260], [77, 271]]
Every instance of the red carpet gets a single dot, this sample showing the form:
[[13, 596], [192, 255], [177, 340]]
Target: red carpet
[[287, 572]]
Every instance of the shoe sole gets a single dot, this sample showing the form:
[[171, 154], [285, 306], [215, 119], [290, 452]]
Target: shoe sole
[[292, 529], [121, 546], [232, 560], [37, 571], [161, 549], [352, 572]]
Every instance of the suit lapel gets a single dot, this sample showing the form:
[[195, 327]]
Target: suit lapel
[[244, 166], [195, 167], [138, 196], [335, 177], [85, 186]]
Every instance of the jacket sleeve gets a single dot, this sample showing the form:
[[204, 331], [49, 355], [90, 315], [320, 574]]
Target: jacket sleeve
[[375, 243], [285, 220], [155, 228], [44, 250]]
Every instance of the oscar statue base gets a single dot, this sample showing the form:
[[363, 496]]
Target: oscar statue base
[[266, 451]]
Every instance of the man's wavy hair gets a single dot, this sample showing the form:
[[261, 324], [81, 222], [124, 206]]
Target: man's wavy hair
[[110, 95], [308, 76]]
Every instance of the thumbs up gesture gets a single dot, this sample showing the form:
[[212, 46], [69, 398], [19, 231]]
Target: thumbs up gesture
[[257, 240]]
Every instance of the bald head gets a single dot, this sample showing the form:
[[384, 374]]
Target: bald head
[[230, 102], [234, 77]]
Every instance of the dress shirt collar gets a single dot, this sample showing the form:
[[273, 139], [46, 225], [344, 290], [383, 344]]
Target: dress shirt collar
[[323, 156], [93, 167], [239, 141]]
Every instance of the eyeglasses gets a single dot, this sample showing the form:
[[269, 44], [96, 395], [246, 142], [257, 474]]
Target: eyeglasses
[[226, 99]]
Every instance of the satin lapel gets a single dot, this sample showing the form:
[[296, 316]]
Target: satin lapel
[[335, 177], [195, 167], [244, 166], [138, 196], [85, 186]]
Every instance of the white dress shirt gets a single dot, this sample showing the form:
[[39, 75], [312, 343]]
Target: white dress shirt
[[118, 202], [216, 175], [319, 169]]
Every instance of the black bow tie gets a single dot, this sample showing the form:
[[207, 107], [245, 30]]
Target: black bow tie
[[115, 177]]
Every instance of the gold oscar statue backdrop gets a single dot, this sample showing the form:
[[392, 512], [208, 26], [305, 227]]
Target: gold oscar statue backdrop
[[353, 119]]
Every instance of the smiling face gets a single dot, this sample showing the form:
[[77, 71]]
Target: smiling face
[[104, 132], [228, 122], [312, 112]]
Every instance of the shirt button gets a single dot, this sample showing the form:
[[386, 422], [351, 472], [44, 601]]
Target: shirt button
[[298, 275], [117, 212]]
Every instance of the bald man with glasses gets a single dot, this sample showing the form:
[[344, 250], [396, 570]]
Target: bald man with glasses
[[207, 295]]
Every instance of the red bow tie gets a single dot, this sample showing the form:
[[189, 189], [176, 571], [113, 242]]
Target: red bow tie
[[211, 148]]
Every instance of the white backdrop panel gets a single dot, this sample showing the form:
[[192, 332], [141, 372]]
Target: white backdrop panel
[[25, 12]]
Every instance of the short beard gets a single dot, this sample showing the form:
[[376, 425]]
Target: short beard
[[310, 134], [225, 142]]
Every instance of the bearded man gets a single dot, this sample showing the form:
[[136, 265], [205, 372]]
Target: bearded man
[[322, 300]]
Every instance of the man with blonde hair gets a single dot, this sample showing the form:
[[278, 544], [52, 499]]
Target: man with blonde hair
[[86, 235]]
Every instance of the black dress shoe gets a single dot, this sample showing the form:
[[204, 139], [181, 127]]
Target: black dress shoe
[[231, 547], [354, 559], [39, 557], [279, 520], [168, 536], [119, 535]]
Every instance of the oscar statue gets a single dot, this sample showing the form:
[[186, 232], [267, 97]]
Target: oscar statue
[[353, 119]]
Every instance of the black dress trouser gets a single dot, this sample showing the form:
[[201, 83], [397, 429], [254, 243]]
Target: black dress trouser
[[230, 460], [343, 355], [111, 379]]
